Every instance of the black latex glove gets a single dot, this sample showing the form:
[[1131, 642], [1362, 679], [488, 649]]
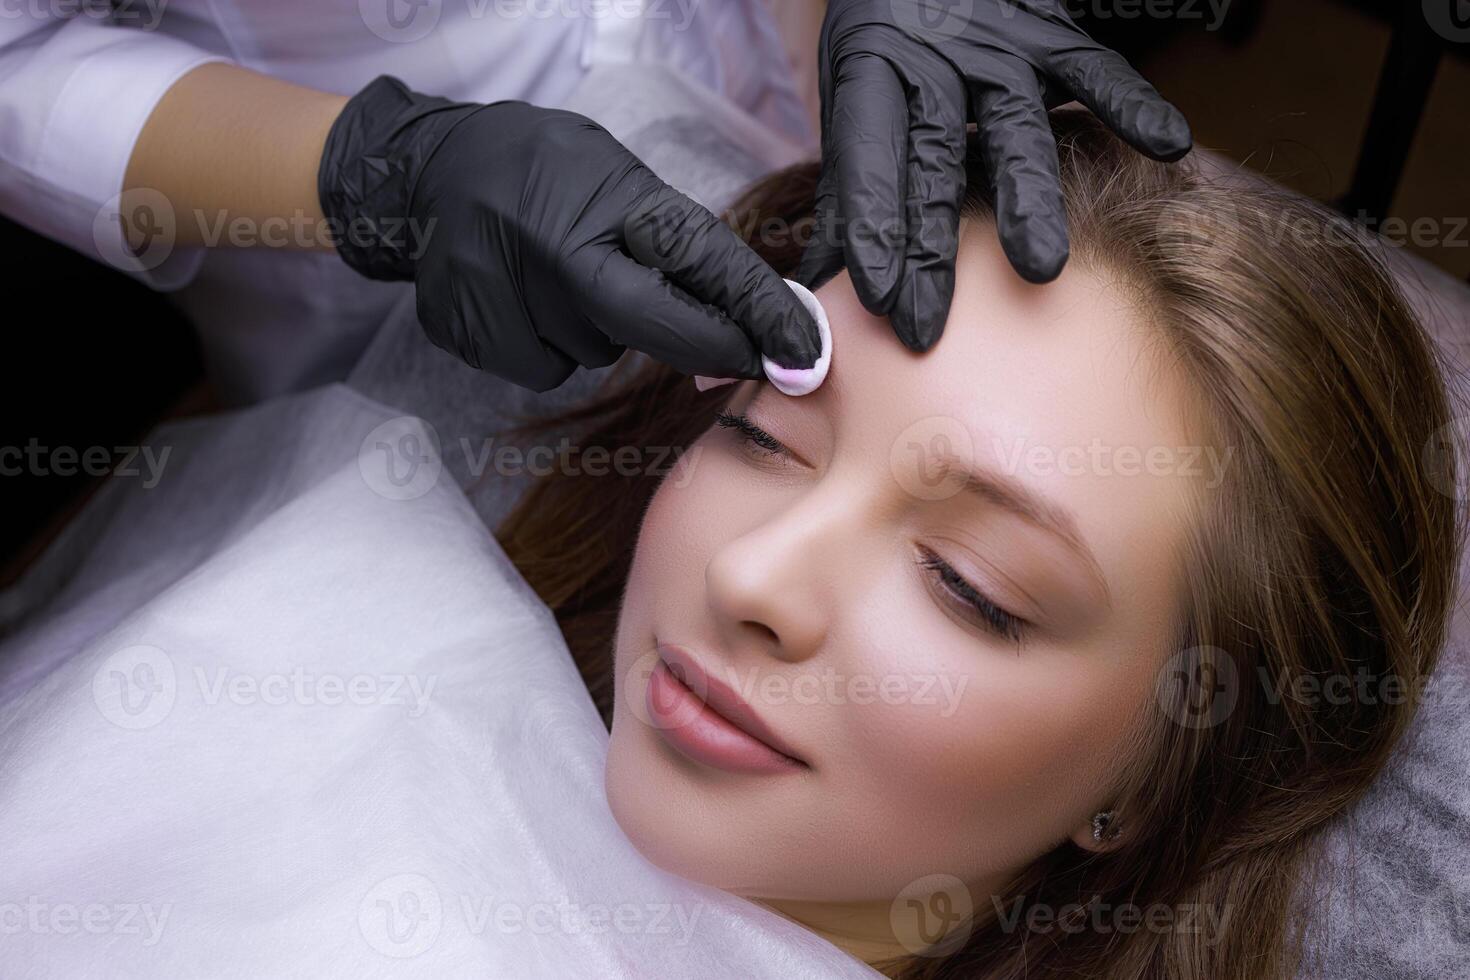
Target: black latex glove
[[900, 79], [537, 242]]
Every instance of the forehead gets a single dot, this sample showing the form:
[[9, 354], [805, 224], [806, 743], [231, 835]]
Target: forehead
[[1068, 387], [1079, 350]]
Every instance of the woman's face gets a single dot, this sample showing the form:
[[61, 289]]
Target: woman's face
[[944, 583]]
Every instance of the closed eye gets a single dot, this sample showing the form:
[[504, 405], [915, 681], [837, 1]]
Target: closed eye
[[978, 607], [751, 433]]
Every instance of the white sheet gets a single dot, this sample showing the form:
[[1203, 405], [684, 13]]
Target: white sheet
[[290, 717]]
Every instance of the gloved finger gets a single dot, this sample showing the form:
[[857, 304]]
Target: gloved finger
[[639, 307], [868, 142], [488, 329], [1020, 157], [822, 258], [934, 188], [1102, 80], [559, 321], [705, 258]]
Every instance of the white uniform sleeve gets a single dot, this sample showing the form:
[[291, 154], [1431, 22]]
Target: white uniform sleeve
[[74, 95]]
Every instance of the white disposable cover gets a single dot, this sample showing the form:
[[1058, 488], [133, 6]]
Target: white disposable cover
[[290, 712]]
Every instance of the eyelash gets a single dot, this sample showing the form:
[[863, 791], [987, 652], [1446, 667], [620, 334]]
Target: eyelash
[[994, 618], [751, 432], [997, 620]]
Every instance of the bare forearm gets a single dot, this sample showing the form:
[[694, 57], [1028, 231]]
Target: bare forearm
[[800, 25], [235, 153]]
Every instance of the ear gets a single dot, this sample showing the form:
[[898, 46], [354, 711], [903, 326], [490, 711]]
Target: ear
[[1112, 836]]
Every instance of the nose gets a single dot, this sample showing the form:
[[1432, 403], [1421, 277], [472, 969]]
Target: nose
[[773, 587]]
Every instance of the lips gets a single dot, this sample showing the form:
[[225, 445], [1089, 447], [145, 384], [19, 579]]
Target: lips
[[706, 720]]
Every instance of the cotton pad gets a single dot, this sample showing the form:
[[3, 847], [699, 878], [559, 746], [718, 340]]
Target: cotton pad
[[792, 381], [804, 381]]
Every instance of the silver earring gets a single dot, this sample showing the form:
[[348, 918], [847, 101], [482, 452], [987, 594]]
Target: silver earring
[[1100, 822]]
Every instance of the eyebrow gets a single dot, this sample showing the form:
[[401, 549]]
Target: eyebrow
[[1014, 496]]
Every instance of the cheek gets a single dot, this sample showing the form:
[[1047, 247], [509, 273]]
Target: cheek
[[984, 752], [674, 544]]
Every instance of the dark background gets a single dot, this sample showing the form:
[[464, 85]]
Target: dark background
[[1288, 86]]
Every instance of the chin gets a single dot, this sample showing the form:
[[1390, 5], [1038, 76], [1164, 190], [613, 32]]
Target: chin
[[637, 793]]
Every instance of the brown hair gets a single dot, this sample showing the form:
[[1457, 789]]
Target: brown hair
[[1328, 552]]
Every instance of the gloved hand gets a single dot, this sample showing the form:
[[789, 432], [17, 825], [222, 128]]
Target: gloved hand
[[537, 242], [900, 79]]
